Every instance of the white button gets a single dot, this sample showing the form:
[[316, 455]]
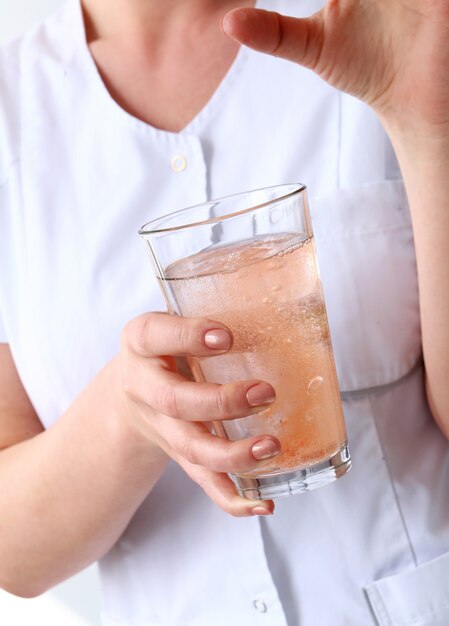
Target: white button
[[178, 163], [260, 606]]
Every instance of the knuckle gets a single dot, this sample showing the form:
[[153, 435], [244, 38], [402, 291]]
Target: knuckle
[[145, 332], [222, 402], [229, 505], [182, 335], [279, 35], [138, 332], [229, 461], [188, 451], [167, 400]]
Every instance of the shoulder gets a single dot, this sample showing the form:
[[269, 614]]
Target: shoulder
[[25, 67]]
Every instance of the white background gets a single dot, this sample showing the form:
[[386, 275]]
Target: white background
[[76, 602]]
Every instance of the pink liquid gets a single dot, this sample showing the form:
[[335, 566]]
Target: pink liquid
[[267, 292]]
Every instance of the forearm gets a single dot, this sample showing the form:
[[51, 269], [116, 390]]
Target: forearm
[[424, 163], [68, 493]]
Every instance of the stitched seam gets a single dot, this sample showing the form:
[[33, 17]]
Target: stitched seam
[[443, 608], [377, 607], [382, 614], [371, 607]]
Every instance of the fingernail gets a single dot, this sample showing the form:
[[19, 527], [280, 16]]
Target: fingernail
[[265, 449], [260, 510], [218, 339], [262, 393]]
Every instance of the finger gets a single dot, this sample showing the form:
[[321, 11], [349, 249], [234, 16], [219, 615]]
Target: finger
[[155, 334], [221, 490], [171, 394], [296, 39], [194, 443]]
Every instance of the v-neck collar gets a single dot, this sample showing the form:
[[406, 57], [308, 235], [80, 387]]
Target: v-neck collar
[[215, 102]]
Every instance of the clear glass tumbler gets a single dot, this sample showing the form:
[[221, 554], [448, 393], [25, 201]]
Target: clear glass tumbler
[[248, 261]]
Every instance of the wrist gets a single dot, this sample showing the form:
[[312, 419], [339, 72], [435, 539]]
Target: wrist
[[419, 143]]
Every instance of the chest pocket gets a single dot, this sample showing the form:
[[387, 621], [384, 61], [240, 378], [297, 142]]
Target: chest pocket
[[366, 256], [415, 598]]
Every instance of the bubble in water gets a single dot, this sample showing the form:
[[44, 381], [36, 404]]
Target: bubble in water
[[315, 384]]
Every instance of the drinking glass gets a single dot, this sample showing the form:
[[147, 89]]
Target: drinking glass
[[248, 261]]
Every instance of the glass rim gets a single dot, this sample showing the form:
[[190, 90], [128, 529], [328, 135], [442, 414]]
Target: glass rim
[[147, 228]]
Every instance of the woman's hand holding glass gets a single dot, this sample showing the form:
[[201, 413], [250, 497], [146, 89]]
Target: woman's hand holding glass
[[173, 411]]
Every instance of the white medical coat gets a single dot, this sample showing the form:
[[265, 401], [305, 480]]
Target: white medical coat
[[78, 176]]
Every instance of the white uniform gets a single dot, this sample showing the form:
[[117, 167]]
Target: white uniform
[[78, 176]]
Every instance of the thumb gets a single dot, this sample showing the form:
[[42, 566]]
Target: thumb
[[296, 39]]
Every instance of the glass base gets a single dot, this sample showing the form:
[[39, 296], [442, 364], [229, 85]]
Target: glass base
[[291, 482]]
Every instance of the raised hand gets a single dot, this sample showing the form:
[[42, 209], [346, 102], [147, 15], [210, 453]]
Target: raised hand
[[393, 54]]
